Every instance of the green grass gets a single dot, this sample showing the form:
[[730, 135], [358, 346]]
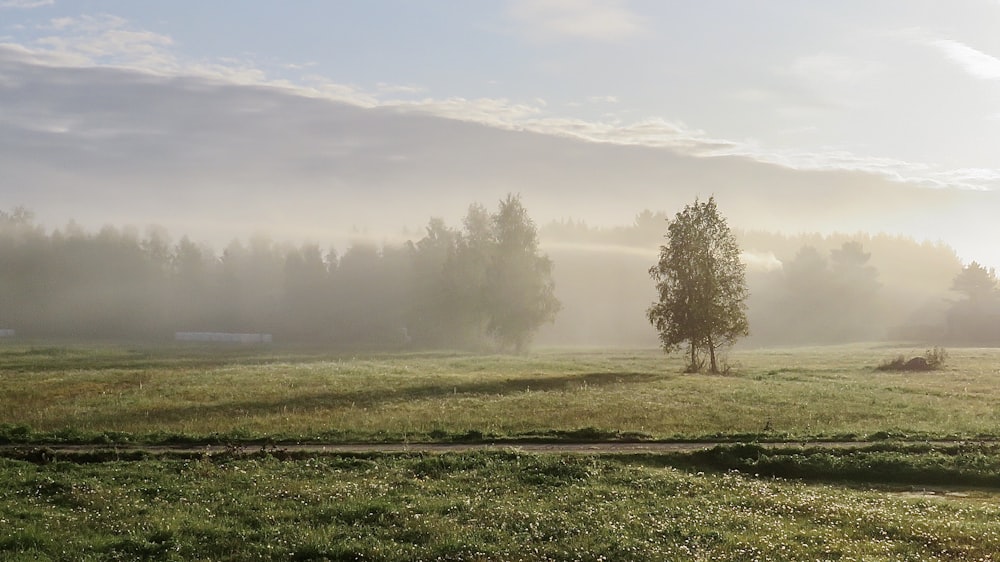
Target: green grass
[[176, 393], [474, 506], [885, 500]]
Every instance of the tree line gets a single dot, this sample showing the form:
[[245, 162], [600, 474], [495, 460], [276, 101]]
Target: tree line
[[485, 285], [702, 292], [975, 317], [803, 289]]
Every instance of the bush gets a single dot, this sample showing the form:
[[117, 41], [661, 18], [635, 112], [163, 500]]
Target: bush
[[936, 357], [932, 360], [897, 364]]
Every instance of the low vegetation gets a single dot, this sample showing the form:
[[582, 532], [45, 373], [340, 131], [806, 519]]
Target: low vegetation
[[500, 505], [894, 497], [191, 394], [932, 360]]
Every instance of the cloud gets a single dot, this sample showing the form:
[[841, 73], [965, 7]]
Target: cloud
[[976, 63], [652, 132], [109, 41], [300, 66], [217, 160], [103, 123], [598, 20], [388, 89], [900, 171], [102, 40], [25, 4], [983, 178]]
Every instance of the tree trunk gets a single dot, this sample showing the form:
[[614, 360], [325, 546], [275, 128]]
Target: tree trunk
[[711, 352]]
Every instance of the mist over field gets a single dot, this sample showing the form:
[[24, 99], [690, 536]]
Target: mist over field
[[860, 185], [507, 280], [217, 161], [429, 292], [804, 289], [268, 171]]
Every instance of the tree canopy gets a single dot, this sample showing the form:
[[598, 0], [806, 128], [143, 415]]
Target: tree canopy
[[520, 292], [701, 285], [483, 286], [975, 318]]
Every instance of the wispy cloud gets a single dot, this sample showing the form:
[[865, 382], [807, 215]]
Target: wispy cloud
[[25, 4], [972, 177], [601, 20], [210, 156], [973, 61], [386, 88], [899, 171], [107, 41], [652, 132], [497, 112], [300, 66]]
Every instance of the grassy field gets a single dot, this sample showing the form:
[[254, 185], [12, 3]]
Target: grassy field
[[244, 394], [892, 498], [474, 506]]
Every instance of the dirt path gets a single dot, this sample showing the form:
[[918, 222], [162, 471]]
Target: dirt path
[[597, 448]]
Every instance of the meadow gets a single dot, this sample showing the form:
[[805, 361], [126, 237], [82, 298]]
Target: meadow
[[891, 496], [144, 394], [472, 506]]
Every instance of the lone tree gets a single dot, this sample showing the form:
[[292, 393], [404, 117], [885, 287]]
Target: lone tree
[[701, 285]]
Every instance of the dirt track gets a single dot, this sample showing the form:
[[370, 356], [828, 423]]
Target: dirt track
[[611, 447]]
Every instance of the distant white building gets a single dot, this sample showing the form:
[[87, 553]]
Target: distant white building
[[223, 337], [6, 333]]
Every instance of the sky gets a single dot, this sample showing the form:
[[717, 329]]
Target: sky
[[318, 120]]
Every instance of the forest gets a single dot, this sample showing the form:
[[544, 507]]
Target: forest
[[485, 286], [496, 283]]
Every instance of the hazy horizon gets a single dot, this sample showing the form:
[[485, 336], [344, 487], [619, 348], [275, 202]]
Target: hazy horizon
[[334, 121]]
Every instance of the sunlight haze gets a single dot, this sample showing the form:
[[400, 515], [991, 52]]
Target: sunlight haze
[[328, 120]]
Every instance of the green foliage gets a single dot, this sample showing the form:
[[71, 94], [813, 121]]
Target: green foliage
[[961, 464], [701, 285]]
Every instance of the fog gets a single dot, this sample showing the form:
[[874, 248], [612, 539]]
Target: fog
[[182, 202], [423, 294], [216, 160], [804, 289]]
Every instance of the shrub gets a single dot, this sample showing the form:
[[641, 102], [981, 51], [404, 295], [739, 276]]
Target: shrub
[[936, 356], [897, 364], [931, 360]]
